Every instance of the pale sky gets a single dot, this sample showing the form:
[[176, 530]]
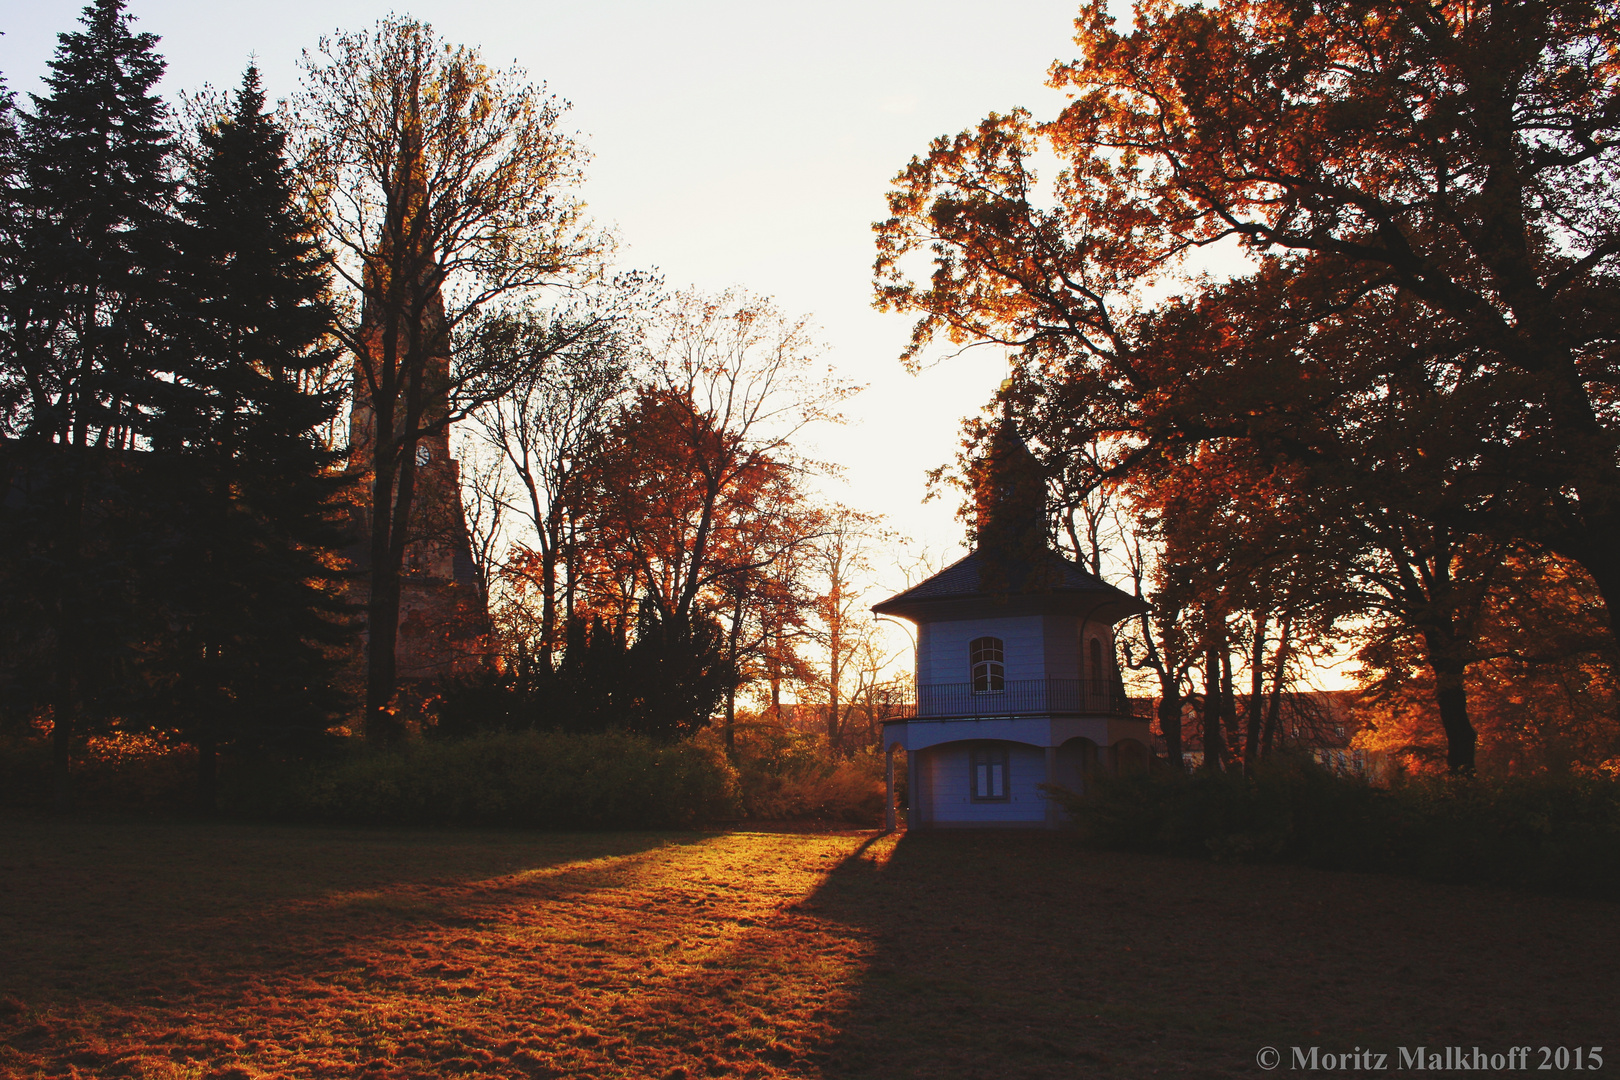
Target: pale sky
[[735, 144]]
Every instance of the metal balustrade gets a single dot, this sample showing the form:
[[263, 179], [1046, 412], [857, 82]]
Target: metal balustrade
[[1022, 697]]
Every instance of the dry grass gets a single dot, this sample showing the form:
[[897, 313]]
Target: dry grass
[[147, 949]]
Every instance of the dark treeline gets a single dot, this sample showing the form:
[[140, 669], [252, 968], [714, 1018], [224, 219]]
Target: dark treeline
[[168, 502]]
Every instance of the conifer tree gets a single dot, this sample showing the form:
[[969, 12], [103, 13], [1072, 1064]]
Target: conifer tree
[[80, 311], [246, 577], [10, 239], [97, 159]]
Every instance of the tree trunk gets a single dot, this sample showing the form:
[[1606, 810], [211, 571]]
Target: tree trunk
[[383, 722], [1257, 658], [548, 525], [1233, 736], [1268, 740], [1214, 737], [835, 676], [1279, 668], [773, 668], [69, 628], [548, 601], [731, 722], [731, 690], [1605, 573], [1604, 566], [1460, 736], [571, 569], [1169, 696], [1446, 657], [1451, 696], [1170, 722], [382, 634]]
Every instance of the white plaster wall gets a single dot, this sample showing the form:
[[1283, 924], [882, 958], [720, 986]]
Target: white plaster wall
[[1105, 634], [1062, 659], [1032, 730], [1036, 647], [947, 786], [925, 651]]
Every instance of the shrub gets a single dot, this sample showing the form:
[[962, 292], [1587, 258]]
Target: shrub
[[120, 772], [547, 780], [786, 775], [1558, 834], [25, 771], [666, 683]]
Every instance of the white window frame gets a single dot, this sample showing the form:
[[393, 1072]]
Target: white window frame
[[987, 665], [989, 769]]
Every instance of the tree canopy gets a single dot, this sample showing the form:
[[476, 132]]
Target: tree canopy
[[1427, 196]]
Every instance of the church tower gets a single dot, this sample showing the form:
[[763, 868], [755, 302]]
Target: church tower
[[443, 614]]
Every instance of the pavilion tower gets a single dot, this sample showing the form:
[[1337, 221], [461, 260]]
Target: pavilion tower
[[1018, 685]]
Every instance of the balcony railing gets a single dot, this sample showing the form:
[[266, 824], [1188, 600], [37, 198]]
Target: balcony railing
[[1022, 697]]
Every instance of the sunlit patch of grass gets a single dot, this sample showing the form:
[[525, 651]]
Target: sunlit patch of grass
[[463, 955]]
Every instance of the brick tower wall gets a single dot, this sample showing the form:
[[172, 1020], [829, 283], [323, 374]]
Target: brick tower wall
[[444, 618]]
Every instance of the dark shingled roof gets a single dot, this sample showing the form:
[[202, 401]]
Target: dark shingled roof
[[961, 581]]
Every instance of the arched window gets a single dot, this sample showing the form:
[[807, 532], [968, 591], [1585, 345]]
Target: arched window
[[989, 676], [1098, 675]]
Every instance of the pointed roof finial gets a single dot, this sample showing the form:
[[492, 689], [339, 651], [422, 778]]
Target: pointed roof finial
[[1010, 496]]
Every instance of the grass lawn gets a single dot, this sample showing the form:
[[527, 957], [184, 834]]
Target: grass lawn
[[163, 949]]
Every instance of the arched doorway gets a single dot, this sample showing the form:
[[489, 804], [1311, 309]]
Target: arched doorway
[[1077, 762], [1131, 758]]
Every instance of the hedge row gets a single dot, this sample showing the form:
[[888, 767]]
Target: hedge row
[[533, 779], [1556, 834], [546, 780]]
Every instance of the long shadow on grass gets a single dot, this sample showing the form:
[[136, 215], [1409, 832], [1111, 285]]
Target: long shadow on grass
[[106, 908], [391, 954], [999, 954], [948, 955]]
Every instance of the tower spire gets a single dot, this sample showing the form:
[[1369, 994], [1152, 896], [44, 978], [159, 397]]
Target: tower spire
[[1010, 507]]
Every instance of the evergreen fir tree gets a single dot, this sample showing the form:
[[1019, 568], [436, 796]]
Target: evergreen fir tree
[[12, 386], [20, 684], [679, 671], [97, 157], [248, 577], [86, 288]]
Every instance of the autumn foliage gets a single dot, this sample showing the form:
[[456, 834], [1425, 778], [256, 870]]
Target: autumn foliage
[[1412, 368]]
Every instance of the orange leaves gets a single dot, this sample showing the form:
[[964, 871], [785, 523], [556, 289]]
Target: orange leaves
[[695, 500], [1351, 129], [1422, 351], [677, 499]]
